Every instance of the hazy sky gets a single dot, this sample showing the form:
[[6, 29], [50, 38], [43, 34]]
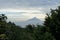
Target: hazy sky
[[17, 10]]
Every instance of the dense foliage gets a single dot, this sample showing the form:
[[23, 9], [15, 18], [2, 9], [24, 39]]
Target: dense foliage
[[52, 22], [51, 30]]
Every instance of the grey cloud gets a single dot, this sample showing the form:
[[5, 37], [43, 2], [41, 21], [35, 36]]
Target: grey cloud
[[27, 3]]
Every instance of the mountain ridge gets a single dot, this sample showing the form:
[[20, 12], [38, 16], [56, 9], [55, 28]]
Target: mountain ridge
[[33, 21]]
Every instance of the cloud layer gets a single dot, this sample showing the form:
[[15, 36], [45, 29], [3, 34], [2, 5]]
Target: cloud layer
[[27, 3], [24, 9]]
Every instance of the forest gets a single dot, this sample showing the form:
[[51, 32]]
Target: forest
[[50, 30]]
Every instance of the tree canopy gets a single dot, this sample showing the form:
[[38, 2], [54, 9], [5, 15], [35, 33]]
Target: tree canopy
[[52, 22]]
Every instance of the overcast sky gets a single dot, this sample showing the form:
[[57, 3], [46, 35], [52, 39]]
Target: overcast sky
[[20, 10]]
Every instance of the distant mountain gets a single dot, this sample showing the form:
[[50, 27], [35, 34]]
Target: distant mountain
[[34, 21]]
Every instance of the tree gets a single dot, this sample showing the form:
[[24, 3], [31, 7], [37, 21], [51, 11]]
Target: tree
[[3, 24], [29, 28], [3, 17], [52, 22]]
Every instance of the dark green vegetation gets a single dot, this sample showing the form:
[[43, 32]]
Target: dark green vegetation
[[51, 30], [52, 22]]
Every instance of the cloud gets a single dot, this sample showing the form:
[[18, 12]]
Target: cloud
[[22, 5], [23, 17], [25, 9], [22, 10], [27, 3]]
